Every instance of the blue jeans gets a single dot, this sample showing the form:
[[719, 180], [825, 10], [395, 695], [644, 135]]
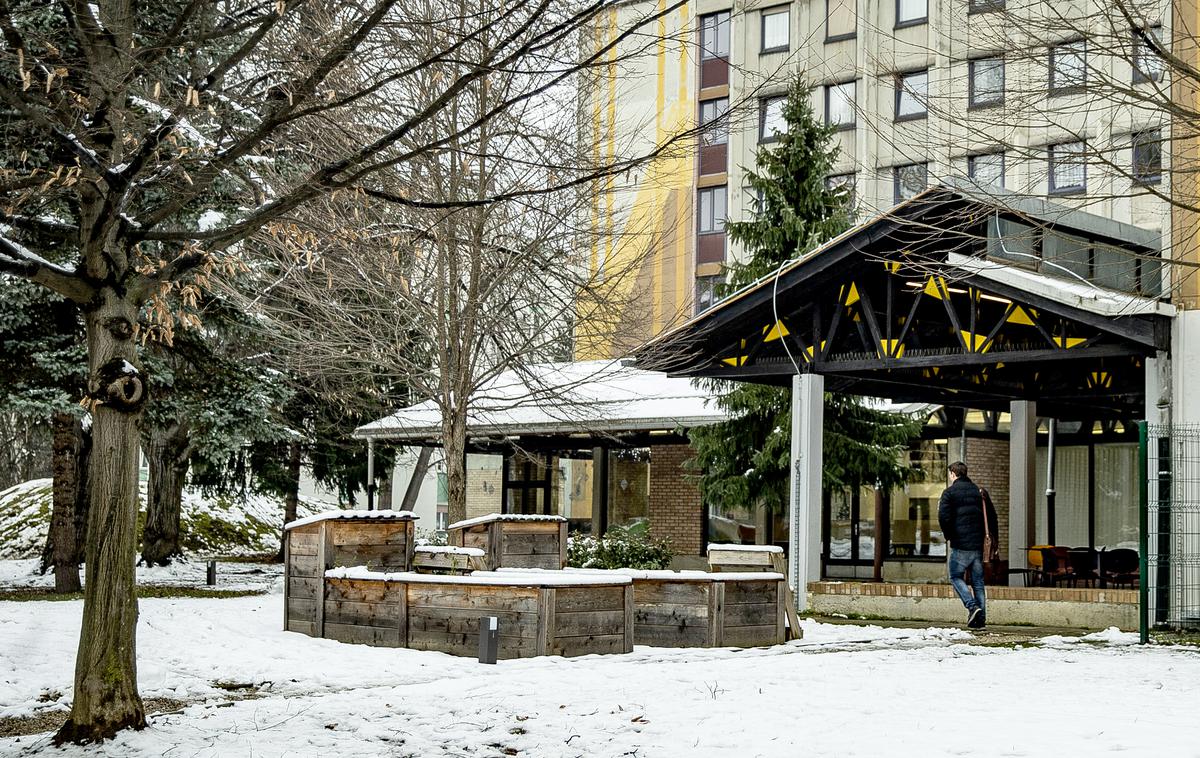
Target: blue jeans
[[962, 561]]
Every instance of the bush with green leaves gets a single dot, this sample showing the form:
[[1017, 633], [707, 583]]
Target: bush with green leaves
[[619, 548]]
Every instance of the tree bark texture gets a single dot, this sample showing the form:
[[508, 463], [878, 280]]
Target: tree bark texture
[[383, 498], [68, 519], [169, 454], [456, 469], [106, 699], [291, 498], [418, 477]]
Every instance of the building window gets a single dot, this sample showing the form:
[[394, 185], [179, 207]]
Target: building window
[[985, 82], [986, 170], [911, 12], [1148, 65], [713, 112], [841, 20], [1068, 169], [984, 6], [710, 202], [1147, 157], [706, 292], [839, 105], [909, 181], [714, 35], [843, 184], [912, 95], [1068, 67], [771, 122], [442, 519], [776, 30]]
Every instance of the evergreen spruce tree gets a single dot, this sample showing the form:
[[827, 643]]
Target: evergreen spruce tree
[[743, 462]]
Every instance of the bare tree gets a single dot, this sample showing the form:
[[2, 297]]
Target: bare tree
[[122, 123]]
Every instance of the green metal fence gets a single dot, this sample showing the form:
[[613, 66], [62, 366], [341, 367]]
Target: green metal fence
[[1170, 528]]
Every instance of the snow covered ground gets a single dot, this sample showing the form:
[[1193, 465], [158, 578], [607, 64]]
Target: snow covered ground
[[842, 691], [183, 572]]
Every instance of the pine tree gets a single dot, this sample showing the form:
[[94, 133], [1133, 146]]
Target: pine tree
[[743, 462]]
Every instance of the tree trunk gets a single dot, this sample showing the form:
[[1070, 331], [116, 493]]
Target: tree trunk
[[169, 455], [291, 498], [418, 477], [456, 471], [383, 498], [63, 551], [106, 698]]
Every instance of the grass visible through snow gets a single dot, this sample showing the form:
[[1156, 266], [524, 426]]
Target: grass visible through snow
[[22, 595]]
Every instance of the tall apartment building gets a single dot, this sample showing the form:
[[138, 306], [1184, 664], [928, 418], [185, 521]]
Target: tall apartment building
[[917, 89]]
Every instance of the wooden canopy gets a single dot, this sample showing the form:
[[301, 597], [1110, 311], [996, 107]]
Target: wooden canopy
[[929, 303]]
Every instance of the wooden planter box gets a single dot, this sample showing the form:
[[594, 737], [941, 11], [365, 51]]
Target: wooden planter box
[[380, 540], [694, 609], [537, 616], [514, 540]]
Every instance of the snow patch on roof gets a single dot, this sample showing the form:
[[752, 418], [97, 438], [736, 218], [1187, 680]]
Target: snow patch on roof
[[744, 548], [473, 552], [492, 517], [484, 578], [328, 515]]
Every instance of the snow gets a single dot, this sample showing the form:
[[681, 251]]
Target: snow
[[209, 220], [254, 577], [1110, 636], [745, 548], [327, 515], [493, 517], [485, 578], [584, 396], [660, 574], [128, 368], [848, 691], [473, 552]]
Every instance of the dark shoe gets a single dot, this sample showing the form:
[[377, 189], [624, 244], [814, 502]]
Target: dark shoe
[[976, 619]]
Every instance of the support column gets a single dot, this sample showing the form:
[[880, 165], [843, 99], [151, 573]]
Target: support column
[[599, 491], [804, 512], [370, 474], [1022, 496]]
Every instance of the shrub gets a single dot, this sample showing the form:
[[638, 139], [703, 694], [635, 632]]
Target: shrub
[[619, 548]]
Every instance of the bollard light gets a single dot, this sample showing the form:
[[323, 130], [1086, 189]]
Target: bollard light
[[489, 638], [211, 575]]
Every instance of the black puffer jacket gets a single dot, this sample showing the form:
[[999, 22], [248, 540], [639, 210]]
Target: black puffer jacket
[[960, 514]]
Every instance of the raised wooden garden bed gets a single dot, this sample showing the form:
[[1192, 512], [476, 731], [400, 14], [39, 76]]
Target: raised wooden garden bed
[[560, 614], [379, 540], [697, 609], [514, 540]]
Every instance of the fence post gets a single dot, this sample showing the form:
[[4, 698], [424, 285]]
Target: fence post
[[1143, 536]]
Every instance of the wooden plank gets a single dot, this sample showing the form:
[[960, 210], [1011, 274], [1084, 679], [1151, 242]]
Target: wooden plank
[[301, 544], [568, 599], [542, 543], [363, 635], [378, 532], [562, 544], [789, 600], [360, 614], [716, 615], [604, 643], [475, 597], [781, 612], [671, 636], [668, 614], [468, 644], [552, 528], [402, 613], [301, 610], [740, 592], [361, 590], [442, 563], [305, 565], [304, 627], [750, 636], [672, 592], [492, 545], [750, 614], [548, 561], [322, 553], [376, 557], [720, 559], [545, 621], [627, 645], [582, 623], [410, 530], [303, 588], [461, 621]]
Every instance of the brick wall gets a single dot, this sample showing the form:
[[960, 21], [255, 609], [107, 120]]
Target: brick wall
[[987, 465], [675, 507]]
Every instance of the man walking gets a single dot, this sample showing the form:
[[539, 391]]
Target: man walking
[[961, 516]]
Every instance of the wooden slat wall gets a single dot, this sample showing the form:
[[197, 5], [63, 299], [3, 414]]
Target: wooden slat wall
[[301, 579], [672, 613], [378, 545], [445, 617], [753, 614], [589, 620], [365, 611]]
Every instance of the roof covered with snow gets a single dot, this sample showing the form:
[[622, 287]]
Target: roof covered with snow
[[492, 517], [564, 398], [342, 515]]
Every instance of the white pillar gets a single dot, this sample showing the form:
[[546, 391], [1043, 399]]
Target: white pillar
[[1022, 498], [804, 511], [370, 474]]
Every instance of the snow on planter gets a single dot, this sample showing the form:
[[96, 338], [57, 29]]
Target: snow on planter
[[514, 539]]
